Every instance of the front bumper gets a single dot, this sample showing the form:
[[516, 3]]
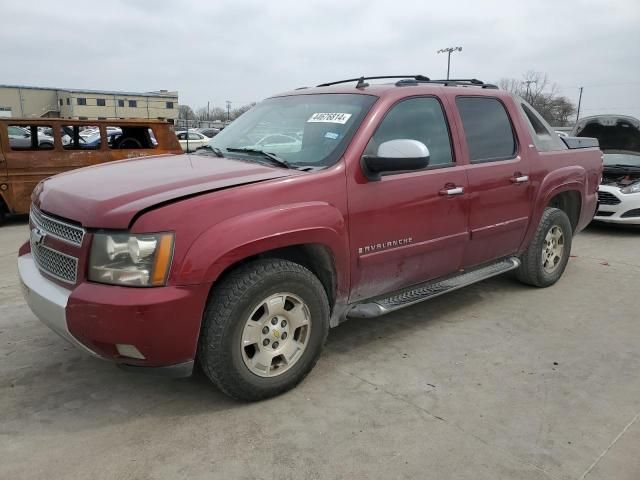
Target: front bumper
[[162, 324], [622, 212], [47, 300]]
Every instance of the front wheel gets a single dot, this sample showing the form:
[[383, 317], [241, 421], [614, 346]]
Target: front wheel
[[263, 329], [543, 263]]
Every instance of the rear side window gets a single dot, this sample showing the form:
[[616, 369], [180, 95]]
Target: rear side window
[[130, 136], [487, 129], [421, 119], [30, 137], [543, 138], [80, 137]]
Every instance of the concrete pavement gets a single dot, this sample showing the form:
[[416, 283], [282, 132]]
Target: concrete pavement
[[495, 381]]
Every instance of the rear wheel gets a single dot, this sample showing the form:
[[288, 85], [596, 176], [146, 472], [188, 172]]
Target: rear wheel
[[543, 263], [263, 329]]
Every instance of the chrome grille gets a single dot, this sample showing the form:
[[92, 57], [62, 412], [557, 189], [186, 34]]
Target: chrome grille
[[58, 265], [56, 228], [606, 198]]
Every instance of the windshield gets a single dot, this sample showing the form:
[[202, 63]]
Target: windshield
[[621, 159], [303, 130]]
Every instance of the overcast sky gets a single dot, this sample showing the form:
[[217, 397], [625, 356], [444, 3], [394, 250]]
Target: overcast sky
[[246, 50]]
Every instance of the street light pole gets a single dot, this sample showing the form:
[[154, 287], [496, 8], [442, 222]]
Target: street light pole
[[449, 51]]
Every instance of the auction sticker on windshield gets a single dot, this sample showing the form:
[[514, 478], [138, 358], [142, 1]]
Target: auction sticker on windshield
[[341, 118]]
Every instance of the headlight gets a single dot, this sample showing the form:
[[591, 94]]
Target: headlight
[[633, 188], [141, 260]]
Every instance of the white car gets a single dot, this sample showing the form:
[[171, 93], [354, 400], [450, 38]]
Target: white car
[[191, 140], [619, 191]]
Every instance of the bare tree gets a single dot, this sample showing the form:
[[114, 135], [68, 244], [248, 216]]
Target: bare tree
[[543, 95], [185, 111]]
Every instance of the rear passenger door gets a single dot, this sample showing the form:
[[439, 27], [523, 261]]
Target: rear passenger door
[[498, 175]]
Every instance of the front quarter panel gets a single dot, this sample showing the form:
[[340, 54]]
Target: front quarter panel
[[215, 230], [252, 233]]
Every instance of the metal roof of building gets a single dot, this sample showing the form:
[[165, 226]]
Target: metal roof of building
[[98, 92]]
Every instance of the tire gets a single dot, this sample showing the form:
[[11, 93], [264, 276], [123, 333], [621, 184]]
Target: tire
[[129, 142], [542, 264], [241, 309], [4, 212]]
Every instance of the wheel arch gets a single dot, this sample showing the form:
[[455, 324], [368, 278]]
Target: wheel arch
[[312, 234], [562, 188], [317, 258]]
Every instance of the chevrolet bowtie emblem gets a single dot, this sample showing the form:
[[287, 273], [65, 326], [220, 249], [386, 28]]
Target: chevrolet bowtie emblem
[[37, 236]]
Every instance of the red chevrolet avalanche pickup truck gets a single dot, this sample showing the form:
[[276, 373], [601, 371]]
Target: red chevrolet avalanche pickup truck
[[348, 199]]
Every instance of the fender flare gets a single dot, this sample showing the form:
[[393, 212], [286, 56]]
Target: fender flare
[[252, 233], [564, 179]]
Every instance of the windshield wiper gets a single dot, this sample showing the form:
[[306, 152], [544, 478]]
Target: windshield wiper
[[216, 151], [271, 156]]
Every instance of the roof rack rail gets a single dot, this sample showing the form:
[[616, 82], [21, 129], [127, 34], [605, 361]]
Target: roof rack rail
[[452, 82], [361, 80]]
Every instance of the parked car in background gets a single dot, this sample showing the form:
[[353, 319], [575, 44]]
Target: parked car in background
[[191, 140], [90, 132], [209, 132], [619, 193], [21, 138], [244, 258], [25, 161]]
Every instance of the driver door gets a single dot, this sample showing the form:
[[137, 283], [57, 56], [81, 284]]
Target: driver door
[[408, 227]]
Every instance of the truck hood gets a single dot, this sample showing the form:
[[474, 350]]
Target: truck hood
[[111, 194]]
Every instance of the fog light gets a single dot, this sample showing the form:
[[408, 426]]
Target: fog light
[[129, 351]]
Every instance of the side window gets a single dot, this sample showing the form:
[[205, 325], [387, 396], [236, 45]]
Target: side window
[[487, 129], [127, 136], [543, 138], [194, 136], [30, 137], [75, 137], [421, 119]]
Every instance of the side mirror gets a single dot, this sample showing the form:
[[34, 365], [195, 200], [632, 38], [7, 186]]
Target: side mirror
[[396, 156]]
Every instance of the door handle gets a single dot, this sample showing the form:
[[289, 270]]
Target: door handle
[[450, 192], [519, 178]]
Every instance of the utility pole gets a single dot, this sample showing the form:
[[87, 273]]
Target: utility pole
[[449, 51], [207, 111], [579, 103], [228, 110]]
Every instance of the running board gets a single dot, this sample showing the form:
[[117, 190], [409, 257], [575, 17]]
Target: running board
[[425, 291]]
